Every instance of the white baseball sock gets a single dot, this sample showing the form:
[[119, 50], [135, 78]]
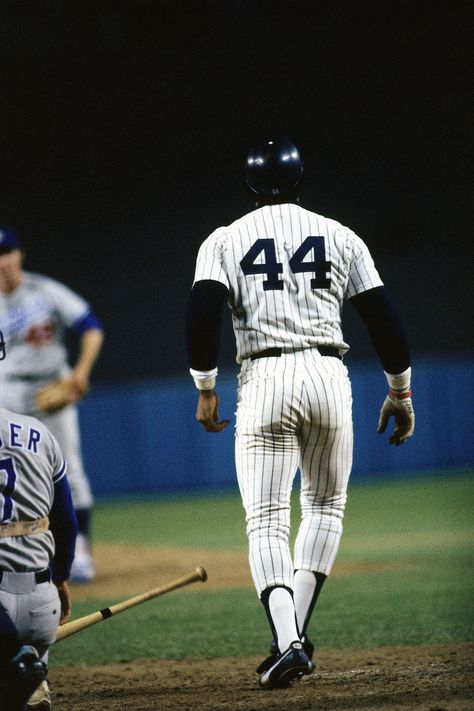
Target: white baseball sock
[[304, 587], [282, 611]]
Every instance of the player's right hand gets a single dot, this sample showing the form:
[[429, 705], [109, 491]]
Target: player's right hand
[[207, 413], [401, 408]]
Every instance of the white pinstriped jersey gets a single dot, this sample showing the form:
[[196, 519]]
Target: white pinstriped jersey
[[288, 271], [30, 463], [32, 319]]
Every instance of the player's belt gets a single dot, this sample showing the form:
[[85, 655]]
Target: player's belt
[[42, 576], [32, 378], [276, 353], [24, 528]]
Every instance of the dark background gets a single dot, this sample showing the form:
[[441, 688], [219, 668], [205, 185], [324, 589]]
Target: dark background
[[124, 127]]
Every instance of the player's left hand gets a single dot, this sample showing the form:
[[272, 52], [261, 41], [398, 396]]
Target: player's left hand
[[56, 395], [79, 382], [207, 413], [401, 408], [65, 599]]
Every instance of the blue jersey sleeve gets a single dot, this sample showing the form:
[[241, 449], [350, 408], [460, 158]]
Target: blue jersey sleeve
[[63, 526], [87, 322]]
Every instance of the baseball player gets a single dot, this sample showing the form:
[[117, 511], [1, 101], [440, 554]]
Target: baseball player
[[285, 272], [34, 313], [21, 670], [38, 529]]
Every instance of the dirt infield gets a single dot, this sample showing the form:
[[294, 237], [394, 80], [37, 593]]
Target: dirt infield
[[435, 678], [431, 678]]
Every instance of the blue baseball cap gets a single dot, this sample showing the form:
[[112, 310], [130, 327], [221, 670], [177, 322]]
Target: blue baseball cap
[[8, 239]]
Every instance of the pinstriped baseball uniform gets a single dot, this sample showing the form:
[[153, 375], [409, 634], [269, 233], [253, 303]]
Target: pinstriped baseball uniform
[[33, 318], [31, 463], [282, 308], [288, 272]]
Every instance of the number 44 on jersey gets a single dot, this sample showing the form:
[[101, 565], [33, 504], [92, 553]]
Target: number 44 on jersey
[[319, 266]]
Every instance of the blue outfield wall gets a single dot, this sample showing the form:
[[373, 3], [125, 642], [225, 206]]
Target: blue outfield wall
[[142, 437]]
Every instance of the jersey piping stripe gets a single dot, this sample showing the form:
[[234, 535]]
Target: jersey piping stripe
[[61, 472]]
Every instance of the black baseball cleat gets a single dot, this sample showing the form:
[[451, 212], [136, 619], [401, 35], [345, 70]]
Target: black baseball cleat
[[287, 666], [308, 648], [25, 673]]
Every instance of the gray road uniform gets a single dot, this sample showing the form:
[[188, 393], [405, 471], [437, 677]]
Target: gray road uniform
[[37, 524], [33, 319]]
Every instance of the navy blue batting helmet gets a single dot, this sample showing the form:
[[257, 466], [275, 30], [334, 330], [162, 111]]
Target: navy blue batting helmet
[[9, 238], [274, 167]]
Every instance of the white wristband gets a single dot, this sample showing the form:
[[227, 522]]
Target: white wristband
[[204, 379], [399, 382]]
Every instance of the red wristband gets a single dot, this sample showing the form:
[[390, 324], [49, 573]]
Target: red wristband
[[399, 396]]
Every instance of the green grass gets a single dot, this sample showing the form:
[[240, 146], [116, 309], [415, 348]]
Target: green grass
[[191, 522], [417, 534]]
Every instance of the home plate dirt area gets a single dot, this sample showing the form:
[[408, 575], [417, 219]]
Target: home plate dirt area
[[431, 678]]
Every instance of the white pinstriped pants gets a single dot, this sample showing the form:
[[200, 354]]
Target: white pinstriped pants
[[293, 412]]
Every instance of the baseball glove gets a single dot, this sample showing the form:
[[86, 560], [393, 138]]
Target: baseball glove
[[57, 394]]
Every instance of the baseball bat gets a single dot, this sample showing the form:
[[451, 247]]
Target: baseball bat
[[81, 623]]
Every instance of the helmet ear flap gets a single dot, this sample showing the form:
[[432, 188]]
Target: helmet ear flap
[[274, 167]]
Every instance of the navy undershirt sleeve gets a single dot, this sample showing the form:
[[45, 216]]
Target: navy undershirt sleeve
[[203, 323], [375, 307], [385, 328], [63, 526]]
